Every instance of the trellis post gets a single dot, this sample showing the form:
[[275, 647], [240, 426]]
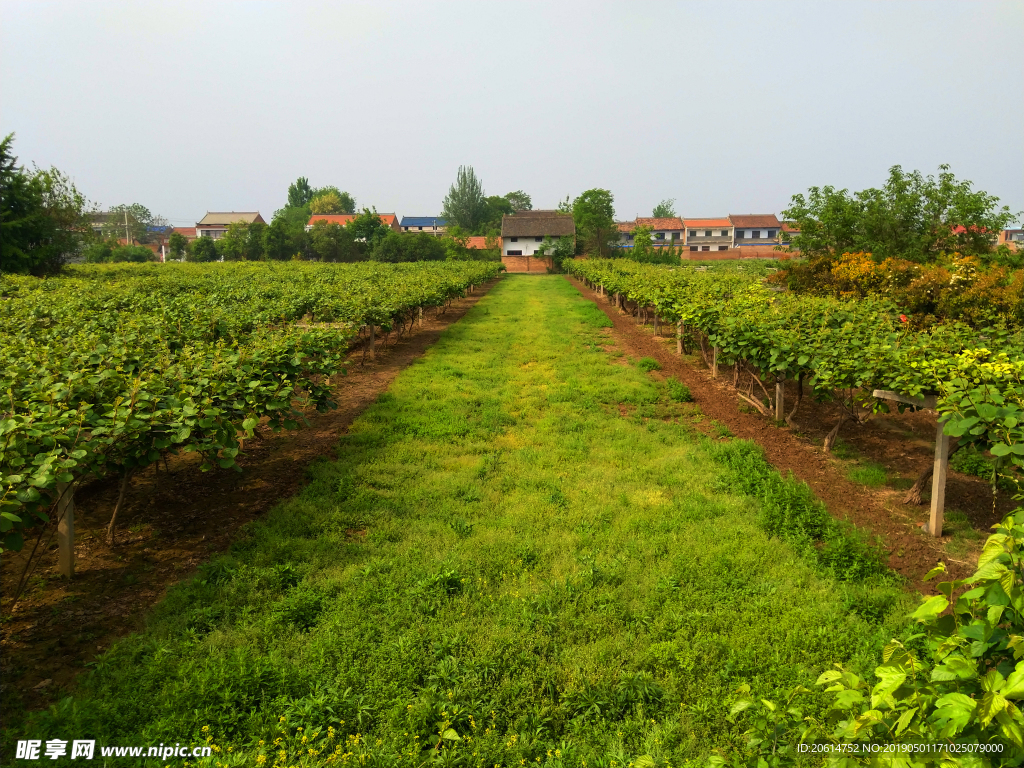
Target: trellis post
[[679, 337], [780, 396], [936, 516], [66, 529], [714, 363]]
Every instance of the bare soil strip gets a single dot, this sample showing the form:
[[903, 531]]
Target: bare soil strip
[[171, 522], [901, 443]]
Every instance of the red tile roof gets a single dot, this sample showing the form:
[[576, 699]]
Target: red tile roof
[[672, 222], [189, 232], [707, 223], [343, 219], [755, 221], [790, 228], [476, 242], [626, 226]]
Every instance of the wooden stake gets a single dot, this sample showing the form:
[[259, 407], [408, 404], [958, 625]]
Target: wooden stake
[[935, 520], [780, 392], [679, 337], [66, 529], [657, 332], [373, 342], [420, 317], [714, 363]]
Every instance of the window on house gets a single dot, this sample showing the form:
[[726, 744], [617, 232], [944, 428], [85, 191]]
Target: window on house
[[693, 233], [539, 239], [771, 234], [659, 236], [739, 234], [707, 233], [515, 240], [420, 228], [693, 247], [676, 235], [755, 233], [705, 247], [723, 247], [513, 253]]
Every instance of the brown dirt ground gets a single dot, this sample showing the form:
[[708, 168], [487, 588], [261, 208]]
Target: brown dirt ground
[[170, 523], [902, 443]]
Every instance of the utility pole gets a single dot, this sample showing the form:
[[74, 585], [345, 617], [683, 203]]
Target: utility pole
[[127, 238]]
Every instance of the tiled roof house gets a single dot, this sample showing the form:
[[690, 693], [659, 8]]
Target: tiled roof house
[[215, 223], [708, 234], [755, 229], [430, 225]]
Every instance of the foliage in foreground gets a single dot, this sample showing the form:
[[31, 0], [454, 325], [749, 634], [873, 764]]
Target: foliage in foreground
[[962, 689], [522, 554]]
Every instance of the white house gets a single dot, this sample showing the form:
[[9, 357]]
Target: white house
[[756, 229], [524, 231]]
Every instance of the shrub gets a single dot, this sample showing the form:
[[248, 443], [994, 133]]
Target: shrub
[[678, 391], [648, 364]]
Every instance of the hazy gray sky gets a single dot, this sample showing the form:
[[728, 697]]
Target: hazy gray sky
[[728, 107]]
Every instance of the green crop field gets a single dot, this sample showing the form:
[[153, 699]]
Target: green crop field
[[526, 554]]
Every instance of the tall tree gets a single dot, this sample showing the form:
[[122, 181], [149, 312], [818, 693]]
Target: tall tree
[[300, 193], [177, 243], [594, 215], [128, 222], [666, 209], [519, 200], [464, 205], [42, 216], [332, 242]]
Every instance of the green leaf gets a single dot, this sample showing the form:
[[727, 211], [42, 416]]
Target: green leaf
[[930, 608]]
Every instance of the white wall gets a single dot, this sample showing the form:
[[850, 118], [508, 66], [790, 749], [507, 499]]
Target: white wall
[[528, 245]]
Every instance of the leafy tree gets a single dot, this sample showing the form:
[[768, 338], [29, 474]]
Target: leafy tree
[[464, 205], [913, 217], [234, 244], [99, 253], [369, 228], [490, 220], [329, 241], [560, 250], [565, 206], [290, 236], [204, 249], [129, 222], [345, 202], [643, 248], [300, 193], [328, 202], [519, 200], [42, 216], [254, 245], [177, 244], [594, 214], [666, 209], [276, 240], [423, 247]]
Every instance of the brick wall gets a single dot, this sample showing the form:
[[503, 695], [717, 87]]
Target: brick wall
[[526, 264]]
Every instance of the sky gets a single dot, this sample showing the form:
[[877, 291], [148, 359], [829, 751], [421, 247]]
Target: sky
[[725, 107]]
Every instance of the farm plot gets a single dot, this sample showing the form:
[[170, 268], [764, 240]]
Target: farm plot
[[524, 554]]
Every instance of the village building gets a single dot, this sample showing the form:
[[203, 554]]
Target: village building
[[755, 229], [428, 225], [709, 234], [522, 234], [215, 223]]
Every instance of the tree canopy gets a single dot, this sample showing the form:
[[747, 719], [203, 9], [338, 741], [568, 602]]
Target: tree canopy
[[464, 204], [666, 209], [912, 217], [42, 216], [519, 200], [594, 214], [331, 200]]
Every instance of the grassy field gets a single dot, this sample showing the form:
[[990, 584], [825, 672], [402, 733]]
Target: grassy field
[[527, 553]]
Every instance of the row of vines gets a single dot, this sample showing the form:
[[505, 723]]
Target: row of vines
[[106, 370], [837, 350], [949, 693]]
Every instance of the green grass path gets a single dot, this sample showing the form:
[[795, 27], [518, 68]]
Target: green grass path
[[501, 563]]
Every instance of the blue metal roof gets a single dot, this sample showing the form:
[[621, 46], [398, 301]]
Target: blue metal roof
[[423, 221]]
